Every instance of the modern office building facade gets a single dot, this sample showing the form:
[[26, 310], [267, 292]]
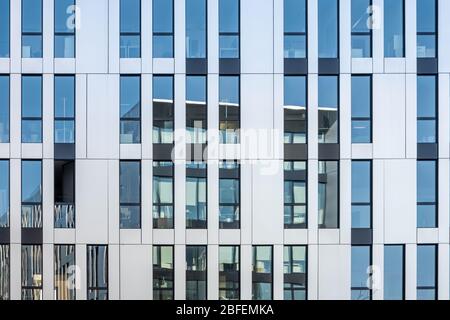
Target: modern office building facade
[[224, 149]]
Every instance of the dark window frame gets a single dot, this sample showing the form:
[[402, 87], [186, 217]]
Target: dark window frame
[[403, 56], [300, 34], [96, 288], [236, 224], [156, 220], [436, 271], [263, 274], [132, 204], [232, 34], [59, 245], [435, 33], [9, 106], [227, 121], [202, 272], [403, 246], [65, 119], [338, 209], [125, 34], [365, 33], [132, 119], [159, 268], [370, 204], [30, 203], [65, 33], [306, 110], [32, 287], [34, 119], [205, 177], [154, 118], [436, 196], [291, 286], [32, 33], [229, 274], [205, 120], [8, 223], [357, 288], [293, 225], [165, 33], [338, 108], [436, 106]]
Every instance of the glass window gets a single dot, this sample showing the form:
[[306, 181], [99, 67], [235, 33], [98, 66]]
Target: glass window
[[32, 272], [361, 109], [361, 194], [4, 272], [130, 194], [229, 109], [163, 275], [163, 109], [328, 109], [4, 28], [394, 272], [361, 28], [295, 29], [229, 195], [426, 194], [328, 29], [130, 109], [64, 109], [4, 109], [196, 266], [31, 28], [426, 28], [97, 272], [394, 25], [65, 29], [295, 176], [64, 191], [196, 195], [294, 269], [426, 272], [130, 28], [229, 274], [4, 194], [195, 28], [262, 277], [162, 28], [196, 110], [229, 28], [328, 194], [31, 194], [426, 109], [31, 109], [64, 276], [361, 261], [163, 195], [295, 109]]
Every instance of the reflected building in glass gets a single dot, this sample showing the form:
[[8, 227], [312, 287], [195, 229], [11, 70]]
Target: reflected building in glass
[[224, 149]]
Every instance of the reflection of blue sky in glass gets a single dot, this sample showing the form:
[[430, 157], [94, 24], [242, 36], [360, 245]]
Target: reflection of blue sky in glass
[[196, 88], [162, 15], [393, 272], [361, 96], [426, 13], [163, 87], [4, 28], [64, 96], [4, 109], [328, 92], [130, 96], [31, 181], [31, 96], [294, 16], [328, 28], [229, 89], [295, 91], [31, 15], [360, 262], [195, 28], [130, 16], [228, 16], [4, 192], [63, 15], [361, 181]]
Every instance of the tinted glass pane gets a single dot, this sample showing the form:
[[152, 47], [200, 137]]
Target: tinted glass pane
[[31, 46], [64, 46], [4, 109], [31, 131], [163, 88], [393, 28], [63, 15], [361, 216], [360, 15], [4, 272], [64, 97], [393, 272], [97, 267], [426, 181], [361, 46], [4, 194], [426, 46], [195, 28], [229, 89], [162, 46], [229, 46], [361, 181], [32, 16], [64, 272], [64, 131], [195, 89], [130, 97], [295, 91], [130, 182], [130, 16], [426, 216], [4, 28], [294, 46], [31, 96], [361, 96], [426, 15], [228, 15], [328, 109], [162, 15], [426, 266], [32, 266], [360, 263], [294, 15], [426, 96], [32, 181], [328, 28], [361, 131], [328, 194]]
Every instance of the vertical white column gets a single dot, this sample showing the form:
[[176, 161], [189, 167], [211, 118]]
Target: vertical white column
[[411, 36], [48, 32], [278, 274], [16, 36], [15, 225], [213, 272], [213, 38], [114, 36], [146, 37], [443, 84], [113, 272], [378, 268], [345, 115], [180, 271], [378, 201], [345, 208], [411, 271], [313, 208], [278, 37], [113, 202], [313, 39], [15, 110], [47, 271], [180, 36], [48, 115], [80, 116], [313, 115], [81, 272], [246, 271], [344, 36], [15, 270], [411, 116], [443, 269], [146, 201], [48, 199], [313, 271], [443, 36], [378, 36], [146, 115]]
